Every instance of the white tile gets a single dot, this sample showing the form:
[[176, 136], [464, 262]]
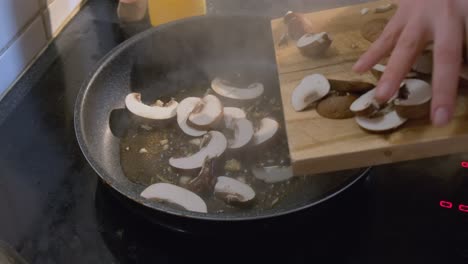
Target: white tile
[[18, 56], [14, 14], [58, 12]]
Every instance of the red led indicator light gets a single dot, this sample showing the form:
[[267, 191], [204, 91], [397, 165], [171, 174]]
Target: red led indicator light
[[463, 208], [446, 204], [464, 164]]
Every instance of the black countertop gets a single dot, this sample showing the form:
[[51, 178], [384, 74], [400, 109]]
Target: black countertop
[[52, 208]]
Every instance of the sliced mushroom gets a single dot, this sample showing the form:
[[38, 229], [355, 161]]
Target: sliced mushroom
[[273, 174], [206, 180], [424, 63], [381, 123], [174, 194], [184, 109], [311, 89], [207, 113], [298, 25], [228, 90], [366, 105], [417, 102], [231, 113], [267, 130], [336, 106], [233, 191], [314, 44], [384, 8], [379, 69], [243, 133], [364, 11], [350, 86], [215, 148], [158, 111]]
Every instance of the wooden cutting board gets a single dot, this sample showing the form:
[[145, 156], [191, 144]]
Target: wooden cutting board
[[319, 145]]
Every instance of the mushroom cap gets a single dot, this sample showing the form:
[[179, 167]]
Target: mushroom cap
[[385, 122], [311, 89], [417, 103], [419, 92], [213, 149], [314, 44], [352, 86], [224, 89], [184, 109], [174, 194], [336, 106], [273, 174], [267, 130], [155, 112], [206, 113], [232, 190]]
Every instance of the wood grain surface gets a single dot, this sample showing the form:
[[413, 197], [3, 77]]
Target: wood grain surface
[[320, 145]]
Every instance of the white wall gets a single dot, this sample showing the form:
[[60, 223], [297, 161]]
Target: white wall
[[26, 27]]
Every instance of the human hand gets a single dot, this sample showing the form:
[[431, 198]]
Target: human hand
[[415, 24]]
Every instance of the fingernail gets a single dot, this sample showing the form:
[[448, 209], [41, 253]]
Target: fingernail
[[441, 117]]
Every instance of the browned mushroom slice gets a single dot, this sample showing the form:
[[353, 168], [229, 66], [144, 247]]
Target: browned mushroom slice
[[228, 90], [267, 130], [206, 114], [169, 193], [233, 191], [381, 123], [215, 148], [314, 44], [417, 102], [350, 86], [158, 111], [184, 109], [311, 89], [336, 106]]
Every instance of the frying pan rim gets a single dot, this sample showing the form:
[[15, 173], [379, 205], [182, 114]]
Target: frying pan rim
[[120, 188]]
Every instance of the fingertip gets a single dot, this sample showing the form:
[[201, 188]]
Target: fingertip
[[441, 116]]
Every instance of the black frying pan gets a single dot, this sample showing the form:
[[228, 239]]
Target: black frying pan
[[158, 63]]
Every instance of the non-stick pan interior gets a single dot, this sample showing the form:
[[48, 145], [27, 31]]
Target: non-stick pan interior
[[180, 55]]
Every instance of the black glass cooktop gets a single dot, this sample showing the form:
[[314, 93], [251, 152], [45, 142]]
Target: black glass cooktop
[[53, 208]]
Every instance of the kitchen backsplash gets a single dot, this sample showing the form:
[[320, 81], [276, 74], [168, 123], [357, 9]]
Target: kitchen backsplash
[[26, 28]]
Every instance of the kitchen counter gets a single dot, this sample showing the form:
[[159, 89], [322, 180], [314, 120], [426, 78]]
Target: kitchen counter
[[50, 210]]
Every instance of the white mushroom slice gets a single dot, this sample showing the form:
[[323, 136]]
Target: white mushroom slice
[[159, 111], [267, 130], [424, 63], [364, 11], [222, 88], [184, 109], [379, 69], [417, 103], [208, 111], [213, 149], [173, 194], [233, 191], [231, 113], [243, 133], [384, 8], [273, 174], [366, 105], [383, 123], [311, 89], [314, 44]]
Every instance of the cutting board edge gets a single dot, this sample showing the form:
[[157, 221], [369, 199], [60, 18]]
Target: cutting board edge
[[386, 155]]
